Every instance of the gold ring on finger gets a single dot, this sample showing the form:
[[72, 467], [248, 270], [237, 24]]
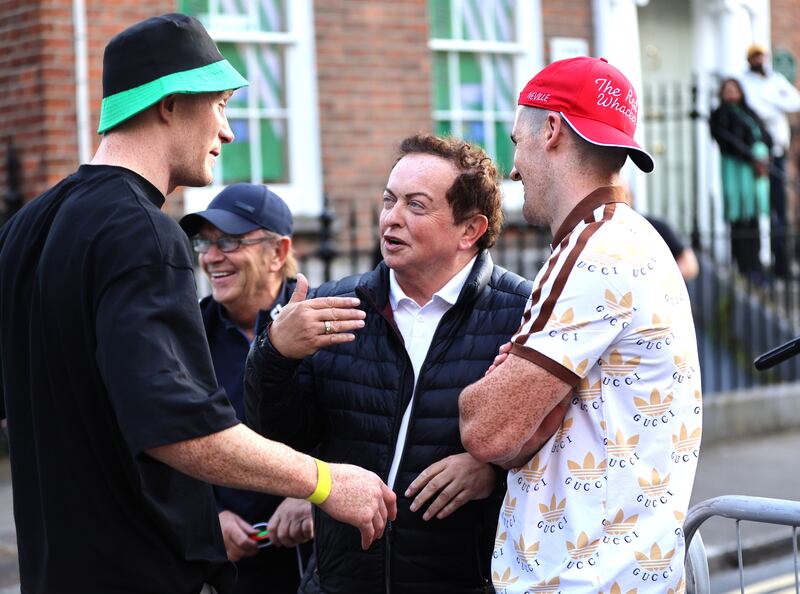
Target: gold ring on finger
[[328, 327]]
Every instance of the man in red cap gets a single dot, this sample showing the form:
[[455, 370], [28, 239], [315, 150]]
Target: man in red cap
[[594, 406]]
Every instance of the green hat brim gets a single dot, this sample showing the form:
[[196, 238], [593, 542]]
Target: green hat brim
[[214, 77]]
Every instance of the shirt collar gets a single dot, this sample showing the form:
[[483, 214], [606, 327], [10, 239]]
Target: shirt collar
[[448, 293], [584, 209], [153, 194]]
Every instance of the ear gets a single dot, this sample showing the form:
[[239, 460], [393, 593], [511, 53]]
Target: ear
[[278, 258], [167, 107], [554, 130], [474, 228]]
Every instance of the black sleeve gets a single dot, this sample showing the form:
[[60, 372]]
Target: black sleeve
[[2, 393], [727, 130], [153, 357], [674, 244], [279, 396], [3, 231], [765, 136]]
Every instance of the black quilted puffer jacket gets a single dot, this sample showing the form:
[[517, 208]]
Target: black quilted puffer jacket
[[346, 402]]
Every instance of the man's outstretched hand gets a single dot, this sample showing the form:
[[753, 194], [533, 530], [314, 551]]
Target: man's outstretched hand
[[359, 498]]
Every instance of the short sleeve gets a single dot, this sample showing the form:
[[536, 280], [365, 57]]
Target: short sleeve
[[153, 357], [580, 304]]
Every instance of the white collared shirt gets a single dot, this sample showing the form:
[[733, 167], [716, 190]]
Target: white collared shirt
[[417, 325]]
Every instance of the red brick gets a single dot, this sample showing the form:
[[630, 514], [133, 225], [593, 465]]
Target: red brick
[[786, 36]]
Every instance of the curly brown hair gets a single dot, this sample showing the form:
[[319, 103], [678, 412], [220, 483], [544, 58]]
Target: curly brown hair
[[476, 189]]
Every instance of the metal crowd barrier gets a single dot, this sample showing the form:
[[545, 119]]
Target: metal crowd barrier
[[735, 507]]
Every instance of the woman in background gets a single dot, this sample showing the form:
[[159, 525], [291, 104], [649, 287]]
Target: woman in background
[[745, 147]]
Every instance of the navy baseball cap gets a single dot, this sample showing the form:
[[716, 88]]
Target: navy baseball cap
[[241, 208]]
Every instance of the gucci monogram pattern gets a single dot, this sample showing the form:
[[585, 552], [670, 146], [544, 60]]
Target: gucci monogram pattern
[[600, 507]]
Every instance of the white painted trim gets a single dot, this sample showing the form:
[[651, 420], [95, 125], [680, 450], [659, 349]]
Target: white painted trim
[[258, 112], [723, 30], [474, 45], [303, 192], [83, 123], [488, 90], [470, 114], [305, 161], [530, 34], [273, 37], [616, 38], [197, 199], [528, 58]]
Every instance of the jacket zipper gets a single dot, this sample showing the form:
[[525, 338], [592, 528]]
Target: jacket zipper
[[395, 431], [408, 431], [387, 544], [396, 428]]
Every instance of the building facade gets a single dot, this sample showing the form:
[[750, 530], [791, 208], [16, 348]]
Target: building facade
[[336, 84]]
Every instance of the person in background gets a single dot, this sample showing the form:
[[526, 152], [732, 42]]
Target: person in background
[[684, 255], [437, 309], [773, 97], [744, 144], [244, 245]]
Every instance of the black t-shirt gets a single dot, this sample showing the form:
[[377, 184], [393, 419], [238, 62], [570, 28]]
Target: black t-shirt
[[103, 357], [674, 244]]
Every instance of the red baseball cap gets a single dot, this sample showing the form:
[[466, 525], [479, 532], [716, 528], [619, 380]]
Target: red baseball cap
[[595, 99]]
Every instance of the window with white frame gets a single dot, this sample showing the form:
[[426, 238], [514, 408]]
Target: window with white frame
[[484, 51], [275, 119]]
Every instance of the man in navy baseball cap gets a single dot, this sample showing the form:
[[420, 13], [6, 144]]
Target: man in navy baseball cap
[[243, 241]]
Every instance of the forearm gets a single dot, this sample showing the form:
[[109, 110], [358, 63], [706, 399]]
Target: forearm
[[481, 421], [787, 99], [278, 397], [238, 457], [499, 415], [526, 452]]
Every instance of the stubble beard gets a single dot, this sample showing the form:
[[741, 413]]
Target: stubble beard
[[535, 207], [194, 177], [532, 211]]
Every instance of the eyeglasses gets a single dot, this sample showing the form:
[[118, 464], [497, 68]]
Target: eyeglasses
[[224, 244]]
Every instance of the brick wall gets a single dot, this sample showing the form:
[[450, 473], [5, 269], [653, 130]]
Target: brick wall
[[786, 36], [37, 73], [374, 77], [567, 18], [785, 32], [106, 18], [36, 70]]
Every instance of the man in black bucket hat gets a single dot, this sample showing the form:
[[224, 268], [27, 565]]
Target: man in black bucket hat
[[106, 380]]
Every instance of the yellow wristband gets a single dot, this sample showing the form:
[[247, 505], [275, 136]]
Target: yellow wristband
[[323, 489]]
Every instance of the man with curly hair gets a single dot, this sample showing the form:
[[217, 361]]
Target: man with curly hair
[[437, 309]]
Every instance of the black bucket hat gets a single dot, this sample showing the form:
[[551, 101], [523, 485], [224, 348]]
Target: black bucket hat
[[172, 53]]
